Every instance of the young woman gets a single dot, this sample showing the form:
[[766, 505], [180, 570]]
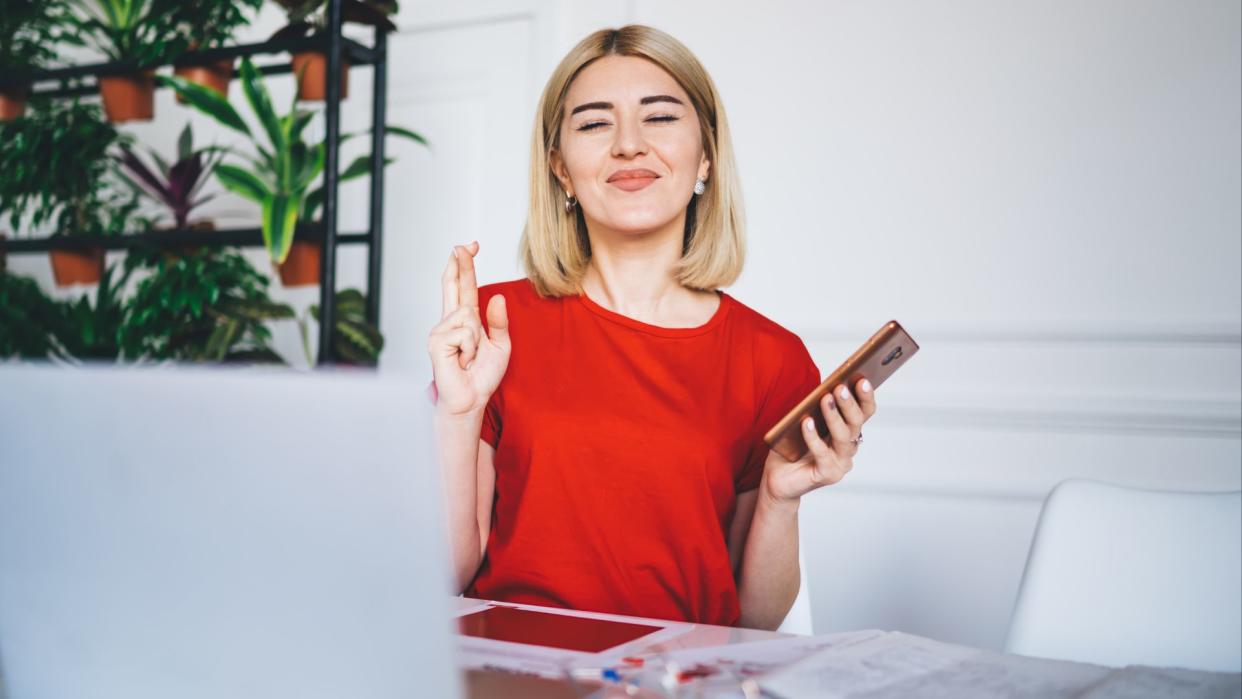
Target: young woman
[[601, 424]]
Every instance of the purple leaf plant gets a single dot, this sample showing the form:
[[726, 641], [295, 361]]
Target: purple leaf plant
[[175, 186]]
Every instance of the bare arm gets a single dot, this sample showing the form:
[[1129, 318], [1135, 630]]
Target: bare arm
[[468, 365], [468, 491], [763, 539], [763, 547]]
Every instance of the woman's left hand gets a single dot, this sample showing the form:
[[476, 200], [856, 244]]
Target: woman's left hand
[[824, 463]]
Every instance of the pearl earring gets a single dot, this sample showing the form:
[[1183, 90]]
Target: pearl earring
[[570, 202], [700, 186]]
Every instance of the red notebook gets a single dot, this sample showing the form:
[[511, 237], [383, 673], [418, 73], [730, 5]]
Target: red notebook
[[551, 630]]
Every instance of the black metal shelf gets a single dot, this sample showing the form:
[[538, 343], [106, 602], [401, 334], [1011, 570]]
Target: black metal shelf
[[78, 80], [228, 237], [86, 75]]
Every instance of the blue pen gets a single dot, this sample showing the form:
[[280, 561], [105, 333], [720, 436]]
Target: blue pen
[[608, 674]]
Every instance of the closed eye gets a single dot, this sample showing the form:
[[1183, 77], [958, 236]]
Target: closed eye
[[664, 118]]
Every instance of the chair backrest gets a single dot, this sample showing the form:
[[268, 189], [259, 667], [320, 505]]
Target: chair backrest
[[798, 620], [1119, 576]]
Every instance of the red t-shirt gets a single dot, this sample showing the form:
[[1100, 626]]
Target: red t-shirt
[[620, 450]]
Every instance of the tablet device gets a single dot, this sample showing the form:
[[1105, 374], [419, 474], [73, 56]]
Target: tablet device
[[500, 623]]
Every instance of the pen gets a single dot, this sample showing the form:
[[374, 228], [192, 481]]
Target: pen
[[608, 674]]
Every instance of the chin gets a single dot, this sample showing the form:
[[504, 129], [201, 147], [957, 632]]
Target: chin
[[639, 222]]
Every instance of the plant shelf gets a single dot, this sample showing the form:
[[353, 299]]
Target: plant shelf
[[77, 80]]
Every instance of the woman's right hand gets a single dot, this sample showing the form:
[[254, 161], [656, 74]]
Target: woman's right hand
[[467, 362]]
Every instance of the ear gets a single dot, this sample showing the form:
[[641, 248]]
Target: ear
[[705, 168], [561, 172]]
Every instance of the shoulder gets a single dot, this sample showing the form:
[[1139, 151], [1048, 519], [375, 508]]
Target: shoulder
[[784, 368], [513, 287], [768, 336], [521, 302], [520, 292]]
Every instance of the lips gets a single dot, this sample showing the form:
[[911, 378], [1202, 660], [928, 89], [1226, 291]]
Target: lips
[[633, 179]]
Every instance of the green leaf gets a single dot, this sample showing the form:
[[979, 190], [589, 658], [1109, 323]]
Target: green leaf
[[207, 101], [266, 355], [243, 182], [361, 166], [261, 103], [280, 217], [311, 204], [259, 310], [350, 302], [223, 337], [295, 123], [163, 165], [295, 157], [406, 133], [357, 341], [185, 143], [310, 169]]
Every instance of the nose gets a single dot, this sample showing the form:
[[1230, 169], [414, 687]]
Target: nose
[[629, 140]]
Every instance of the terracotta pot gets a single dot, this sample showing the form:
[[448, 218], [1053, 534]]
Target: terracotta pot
[[215, 75], [301, 267], [311, 67], [128, 97], [77, 266], [13, 102], [176, 252]]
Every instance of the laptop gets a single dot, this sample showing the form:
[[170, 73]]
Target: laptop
[[219, 533]]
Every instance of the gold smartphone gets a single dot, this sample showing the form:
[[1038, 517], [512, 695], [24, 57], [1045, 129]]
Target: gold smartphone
[[875, 361]]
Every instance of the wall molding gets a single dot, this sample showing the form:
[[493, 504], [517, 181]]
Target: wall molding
[[1202, 420], [1073, 399], [1201, 333]]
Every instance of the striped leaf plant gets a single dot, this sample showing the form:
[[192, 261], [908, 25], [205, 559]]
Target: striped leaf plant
[[279, 175]]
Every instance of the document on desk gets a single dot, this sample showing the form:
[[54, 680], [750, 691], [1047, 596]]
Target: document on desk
[[756, 658], [894, 664]]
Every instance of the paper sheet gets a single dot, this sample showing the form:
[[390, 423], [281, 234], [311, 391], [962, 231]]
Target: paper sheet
[[898, 665], [1165, 682], [760, 657]]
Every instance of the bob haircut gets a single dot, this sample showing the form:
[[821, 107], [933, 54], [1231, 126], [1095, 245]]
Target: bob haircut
[[555, 248]]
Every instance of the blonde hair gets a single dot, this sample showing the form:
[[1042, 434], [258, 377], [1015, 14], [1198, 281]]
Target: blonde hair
[[555, 249]]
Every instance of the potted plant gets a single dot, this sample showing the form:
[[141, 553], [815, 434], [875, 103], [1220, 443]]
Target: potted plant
[[354, 340], [92, 331], [174, 186], [29, 33], [56, 169], [211, 306], [302, 266], [279, 178], [139, 32], [27, 319], [310, 18], [208, 24]]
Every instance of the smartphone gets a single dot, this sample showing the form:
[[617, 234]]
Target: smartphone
[[875, 361]]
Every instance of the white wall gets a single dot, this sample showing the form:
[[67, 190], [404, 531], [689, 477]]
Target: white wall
[[1046, 194]]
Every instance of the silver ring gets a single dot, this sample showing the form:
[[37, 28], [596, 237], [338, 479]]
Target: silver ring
[[857, 440]]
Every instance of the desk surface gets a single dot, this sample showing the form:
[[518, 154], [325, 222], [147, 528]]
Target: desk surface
[[486, 684], [876, 664], [701, 636]]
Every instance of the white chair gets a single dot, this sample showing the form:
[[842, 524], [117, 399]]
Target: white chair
[[798, 620], [1118, 576]]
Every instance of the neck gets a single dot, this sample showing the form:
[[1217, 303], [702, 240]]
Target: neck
[[632, 274]]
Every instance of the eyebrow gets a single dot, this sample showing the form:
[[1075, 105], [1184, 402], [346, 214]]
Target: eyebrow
[[608, 105]]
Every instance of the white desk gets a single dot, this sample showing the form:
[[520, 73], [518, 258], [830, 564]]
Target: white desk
[[882, 664], [486, 684]]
